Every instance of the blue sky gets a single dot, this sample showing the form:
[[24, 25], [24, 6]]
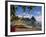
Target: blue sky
[[36, 11]]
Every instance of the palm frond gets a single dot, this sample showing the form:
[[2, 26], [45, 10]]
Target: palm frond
[[24, 8]]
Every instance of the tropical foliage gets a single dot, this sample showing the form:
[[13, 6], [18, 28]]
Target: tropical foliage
[[24, 8], [14, 8]]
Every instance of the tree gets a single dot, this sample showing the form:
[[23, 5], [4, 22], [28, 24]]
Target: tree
[[13, 9], [30, 7], [33, 20], [24, 8]]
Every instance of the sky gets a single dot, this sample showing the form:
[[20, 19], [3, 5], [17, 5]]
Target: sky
[[36, 12]]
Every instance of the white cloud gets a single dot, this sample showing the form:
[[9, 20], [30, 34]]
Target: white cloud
[[24, 15], [27, 16], [38, 18]]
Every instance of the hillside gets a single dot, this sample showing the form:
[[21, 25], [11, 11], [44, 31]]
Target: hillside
[[23, 24]]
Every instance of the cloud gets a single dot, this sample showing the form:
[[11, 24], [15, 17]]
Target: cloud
[[38, 18], [24, 15]]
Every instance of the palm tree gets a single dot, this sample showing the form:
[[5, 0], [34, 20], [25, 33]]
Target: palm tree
[[30, 7], [24, 8], [13, 9]]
